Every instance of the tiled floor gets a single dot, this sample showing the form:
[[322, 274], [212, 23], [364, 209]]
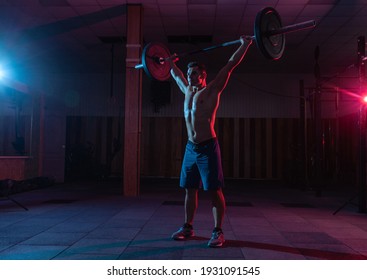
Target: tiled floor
[[263, 221]]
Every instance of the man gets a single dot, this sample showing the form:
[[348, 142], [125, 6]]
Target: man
[[202, 161]]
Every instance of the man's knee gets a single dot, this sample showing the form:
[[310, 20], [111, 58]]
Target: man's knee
[[190, 192], [217, 198]]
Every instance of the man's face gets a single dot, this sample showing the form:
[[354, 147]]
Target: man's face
[[195, 77]]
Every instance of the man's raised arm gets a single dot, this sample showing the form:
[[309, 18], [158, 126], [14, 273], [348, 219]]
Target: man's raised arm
[[223, 75], [177, 74]]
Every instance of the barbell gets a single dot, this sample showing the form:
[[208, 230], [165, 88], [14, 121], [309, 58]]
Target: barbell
[[269, 35]]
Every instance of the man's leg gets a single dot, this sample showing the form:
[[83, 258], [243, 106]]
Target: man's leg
[[191, 204], [219, 206]]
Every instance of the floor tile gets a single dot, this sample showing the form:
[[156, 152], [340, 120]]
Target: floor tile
[[31, 252], [93, 221]]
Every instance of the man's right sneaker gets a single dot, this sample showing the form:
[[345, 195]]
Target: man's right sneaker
[[217, 239], [183, 233]]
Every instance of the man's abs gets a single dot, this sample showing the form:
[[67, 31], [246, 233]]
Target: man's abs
[[199, 131]]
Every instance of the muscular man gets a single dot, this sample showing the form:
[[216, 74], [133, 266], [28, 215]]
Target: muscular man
[[202, 160]]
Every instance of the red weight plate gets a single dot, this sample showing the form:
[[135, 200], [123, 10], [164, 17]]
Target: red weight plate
[[153, 60]]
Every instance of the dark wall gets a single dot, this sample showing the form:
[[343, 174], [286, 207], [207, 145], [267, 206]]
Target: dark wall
[[256, 148]]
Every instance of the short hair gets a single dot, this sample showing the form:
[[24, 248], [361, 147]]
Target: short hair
[[201, 66]]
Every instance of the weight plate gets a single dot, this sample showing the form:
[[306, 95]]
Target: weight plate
[[272, 47], [153, 67]]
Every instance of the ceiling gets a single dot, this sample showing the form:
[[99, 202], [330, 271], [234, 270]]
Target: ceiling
[[85, 36]]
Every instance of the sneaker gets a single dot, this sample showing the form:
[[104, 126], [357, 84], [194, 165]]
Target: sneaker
[[217, 239], [184, 232]]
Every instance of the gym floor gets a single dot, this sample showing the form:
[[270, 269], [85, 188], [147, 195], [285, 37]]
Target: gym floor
[[264, 220]]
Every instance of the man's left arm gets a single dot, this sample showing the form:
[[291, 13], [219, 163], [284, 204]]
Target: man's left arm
[[223, 75]]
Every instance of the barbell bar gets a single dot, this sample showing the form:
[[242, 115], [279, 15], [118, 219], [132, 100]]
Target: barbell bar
[[269, 35]]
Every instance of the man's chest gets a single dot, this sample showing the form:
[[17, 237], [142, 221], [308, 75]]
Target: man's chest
[[197, 100]]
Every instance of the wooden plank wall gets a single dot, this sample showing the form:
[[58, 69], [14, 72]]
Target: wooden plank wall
[[251, 148], [7, 130], [259, 148], [8, 134], [163, 144], [91, 149]]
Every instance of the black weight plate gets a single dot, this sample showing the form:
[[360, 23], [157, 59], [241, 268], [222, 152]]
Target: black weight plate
[[272, 47]]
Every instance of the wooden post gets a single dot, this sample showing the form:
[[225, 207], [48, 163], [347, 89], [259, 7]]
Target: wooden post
[[362, 129], [41, 135], [302, 156], [318, 131], [133, 95]]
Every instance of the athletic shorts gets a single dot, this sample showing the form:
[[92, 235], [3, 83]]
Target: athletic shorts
[[202, 166]]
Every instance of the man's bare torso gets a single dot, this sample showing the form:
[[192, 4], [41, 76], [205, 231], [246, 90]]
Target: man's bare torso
[[199, 110]]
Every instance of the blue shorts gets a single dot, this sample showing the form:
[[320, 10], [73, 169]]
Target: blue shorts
[[202, 166]]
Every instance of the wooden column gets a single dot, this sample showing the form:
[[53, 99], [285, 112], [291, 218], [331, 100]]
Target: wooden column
[[362, 197], [41, 133], [133, 95], [302, 151]]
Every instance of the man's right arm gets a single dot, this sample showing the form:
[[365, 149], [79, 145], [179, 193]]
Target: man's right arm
[[177, 74]]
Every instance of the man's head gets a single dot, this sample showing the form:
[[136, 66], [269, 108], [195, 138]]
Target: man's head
[[196, 74]]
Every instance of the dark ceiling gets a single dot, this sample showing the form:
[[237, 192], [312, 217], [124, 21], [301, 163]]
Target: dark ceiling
[[83, 36]]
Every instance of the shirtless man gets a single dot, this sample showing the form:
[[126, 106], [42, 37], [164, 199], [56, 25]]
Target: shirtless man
[[202, 160]]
